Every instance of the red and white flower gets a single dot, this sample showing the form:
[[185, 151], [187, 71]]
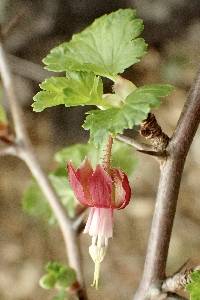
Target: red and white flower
[[102, 190]]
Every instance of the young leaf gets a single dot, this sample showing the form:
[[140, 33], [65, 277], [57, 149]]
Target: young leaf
[[53, 267], [194, 286], [106, 48], [75, 89], [66, 277], [134, 110], [57, 275], [48, 281]]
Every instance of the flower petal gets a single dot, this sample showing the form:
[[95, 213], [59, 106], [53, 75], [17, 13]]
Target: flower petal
[[84, 172], [100, 222], [100, 188], [79, 181], [122, 190], [127, 188]]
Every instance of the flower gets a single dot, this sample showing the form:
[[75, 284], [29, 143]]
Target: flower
[[103, 189]]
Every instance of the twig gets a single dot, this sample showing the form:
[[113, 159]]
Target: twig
[[28, 69], [9, 150], [178, 281], [142, 148], [79, 224], [132, 142], [25, 152], [168, 189]]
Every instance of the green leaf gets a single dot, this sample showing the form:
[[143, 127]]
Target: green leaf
[[53, 267], [48, 281], [134, 110], [158, 90], [57, 275], [194, 286], [66, 277], [106, 48], [35, 203], [75, 89]]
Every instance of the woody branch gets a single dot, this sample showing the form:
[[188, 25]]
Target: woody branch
[[23, 149], [167, 195]]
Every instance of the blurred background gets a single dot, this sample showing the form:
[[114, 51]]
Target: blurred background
[[172, 30]]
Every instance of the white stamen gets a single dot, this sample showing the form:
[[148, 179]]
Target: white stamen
[[97, 252]]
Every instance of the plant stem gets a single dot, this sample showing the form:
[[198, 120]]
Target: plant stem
[[132, 142], [107, 154], [25, 151], [168, 189]]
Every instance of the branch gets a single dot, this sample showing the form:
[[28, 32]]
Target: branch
[[142, 148], [168, 189], [28, 69], [25, 151], [178, 281], [132, 142], [8, 150]]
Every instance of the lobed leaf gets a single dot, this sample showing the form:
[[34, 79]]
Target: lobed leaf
[[106, 48], [57, 276], [134, 110], [75, 89]]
